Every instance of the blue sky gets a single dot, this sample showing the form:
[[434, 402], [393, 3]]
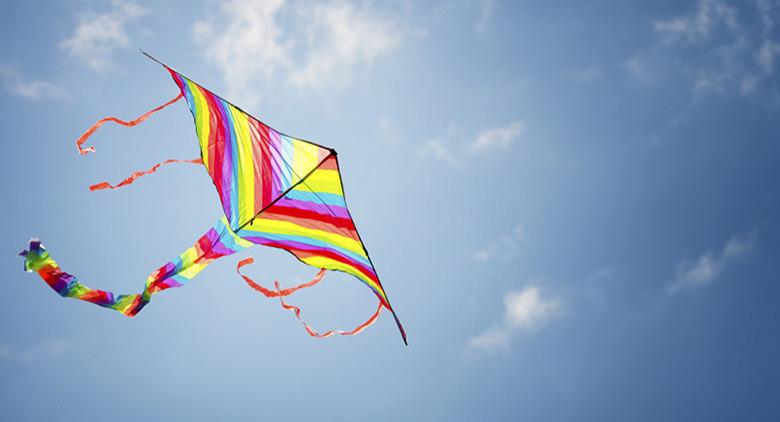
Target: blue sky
[[573, 207]]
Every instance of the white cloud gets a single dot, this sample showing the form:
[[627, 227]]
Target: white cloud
[[454, 148], [341, 38], [494, 339], [720, 50], [48, 348], [245, 44], [709, 15], [16, 84], [487, 8], [97, 35], [524, 311], [316, 46], [709, 266], [435, 148], [639, 68], [505, 248], [497, 138]]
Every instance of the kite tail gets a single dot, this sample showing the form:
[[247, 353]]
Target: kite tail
[[83, 138], [67, 285], [216, 243], [139, 173], [357, 330]]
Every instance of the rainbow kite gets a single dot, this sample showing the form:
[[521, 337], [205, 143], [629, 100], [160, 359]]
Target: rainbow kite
[[275, 190]]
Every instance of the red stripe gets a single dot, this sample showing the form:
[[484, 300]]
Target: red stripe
[[302, 254], [329, 164], [216, 145], [264, 173], [314, 216]]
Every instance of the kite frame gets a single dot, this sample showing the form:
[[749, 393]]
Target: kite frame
[[302, 180]]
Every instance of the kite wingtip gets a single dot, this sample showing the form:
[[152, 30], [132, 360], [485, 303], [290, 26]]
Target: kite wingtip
[[400, 327]]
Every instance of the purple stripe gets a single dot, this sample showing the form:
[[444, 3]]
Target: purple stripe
[[320, 208]]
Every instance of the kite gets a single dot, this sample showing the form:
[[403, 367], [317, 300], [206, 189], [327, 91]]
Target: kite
[[275, 190]]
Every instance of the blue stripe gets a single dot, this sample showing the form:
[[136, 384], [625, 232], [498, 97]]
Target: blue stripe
[[287, 159], [320, 197]]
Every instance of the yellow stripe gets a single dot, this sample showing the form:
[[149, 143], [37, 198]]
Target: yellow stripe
[[330, 264], [304, 158], [288, 228], [246, 173], [123, 305], [202, 121], [326, 181], [192, 270]]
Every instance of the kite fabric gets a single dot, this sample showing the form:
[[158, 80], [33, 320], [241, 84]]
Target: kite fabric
[[275, 190]]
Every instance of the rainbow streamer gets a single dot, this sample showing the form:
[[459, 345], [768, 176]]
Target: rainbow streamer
[[216, 243]]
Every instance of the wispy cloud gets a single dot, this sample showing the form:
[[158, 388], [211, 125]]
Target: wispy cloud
[[454, 148], [15, 83], [244, 41], [319, 46], [525, 310], [97, 35], [709, 15], [722, 51], [341, 38], [436, 148], [387, 131], [47, 348], [505, 248], [709, 266], [640, 68], [497, 138], [486, 10]]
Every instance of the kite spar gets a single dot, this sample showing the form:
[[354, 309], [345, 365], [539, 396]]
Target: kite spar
[[275, 190]]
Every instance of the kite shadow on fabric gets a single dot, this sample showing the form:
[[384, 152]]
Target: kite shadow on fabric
[[275, 190]]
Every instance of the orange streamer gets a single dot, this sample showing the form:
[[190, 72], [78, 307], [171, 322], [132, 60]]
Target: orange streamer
[[297, 311], [280, 293], [275, 293], [83, 138], [139, 173]]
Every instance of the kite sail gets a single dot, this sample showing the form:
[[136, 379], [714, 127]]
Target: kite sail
[[275, 190]]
